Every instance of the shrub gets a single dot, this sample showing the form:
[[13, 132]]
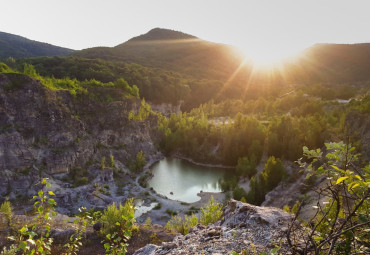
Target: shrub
[[12, 250], [118, 223], [341, 222], [102, 163], [211, 213], [6, 208], [239, 193], [158, 206], [171, 212], [182, 225], [148, 222], [112, 164], [118, 214]]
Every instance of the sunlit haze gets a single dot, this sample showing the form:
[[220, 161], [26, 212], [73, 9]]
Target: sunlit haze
[[265, 30]]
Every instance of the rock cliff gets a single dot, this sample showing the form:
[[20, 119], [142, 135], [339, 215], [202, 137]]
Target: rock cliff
[[53, 133]]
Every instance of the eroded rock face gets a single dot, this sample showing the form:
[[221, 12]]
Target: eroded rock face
[[44, 133], [244, 227]]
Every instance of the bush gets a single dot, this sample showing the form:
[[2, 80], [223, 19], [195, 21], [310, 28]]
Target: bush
[[239, 193], [115, 218], [158, 206], [182, 225], [171, 212], [12, 250], [6, 208], [211, 213]]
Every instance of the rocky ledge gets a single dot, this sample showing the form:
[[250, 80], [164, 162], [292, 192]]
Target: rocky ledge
[[244, 227]]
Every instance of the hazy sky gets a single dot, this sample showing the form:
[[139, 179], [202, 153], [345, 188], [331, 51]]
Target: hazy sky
[[274, 26]]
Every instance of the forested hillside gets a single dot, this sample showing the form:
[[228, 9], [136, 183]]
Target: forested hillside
[[20, 47]]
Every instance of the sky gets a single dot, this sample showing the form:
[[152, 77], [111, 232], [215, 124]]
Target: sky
[[275, 28]]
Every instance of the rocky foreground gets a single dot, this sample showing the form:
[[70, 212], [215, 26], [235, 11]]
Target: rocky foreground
[[244, 227]]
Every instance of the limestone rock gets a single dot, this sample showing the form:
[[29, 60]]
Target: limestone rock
[[245, 227]]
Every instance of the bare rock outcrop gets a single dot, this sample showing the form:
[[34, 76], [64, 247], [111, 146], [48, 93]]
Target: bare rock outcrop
[[244, 227], [50, 133]]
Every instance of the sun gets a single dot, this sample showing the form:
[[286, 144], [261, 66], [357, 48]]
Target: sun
[[268, 55]]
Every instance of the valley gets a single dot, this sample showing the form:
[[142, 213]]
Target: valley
[[174, 122]]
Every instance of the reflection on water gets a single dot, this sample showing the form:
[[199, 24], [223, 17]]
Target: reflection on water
[[181, 180], [140, 208]]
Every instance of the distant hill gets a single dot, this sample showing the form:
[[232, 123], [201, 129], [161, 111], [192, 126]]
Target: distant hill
[[189, 55], [332, 63], [20, 47], [173, 50]]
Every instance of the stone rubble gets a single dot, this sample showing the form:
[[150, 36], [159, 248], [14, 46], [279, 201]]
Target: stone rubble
[[244, 227]]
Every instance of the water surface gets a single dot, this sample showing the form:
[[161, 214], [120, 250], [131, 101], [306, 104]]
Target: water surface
[[181, 180]]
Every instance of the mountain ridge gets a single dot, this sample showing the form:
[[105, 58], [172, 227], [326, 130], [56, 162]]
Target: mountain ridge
[[161, 34], [16, 46]]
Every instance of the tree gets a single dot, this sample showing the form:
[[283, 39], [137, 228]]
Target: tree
[[239, 193], [273, 173], [140, 161], [247, 167]]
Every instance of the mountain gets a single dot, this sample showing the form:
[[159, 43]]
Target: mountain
[[189, 55], [332, 63], [173, 50], [20, 47]]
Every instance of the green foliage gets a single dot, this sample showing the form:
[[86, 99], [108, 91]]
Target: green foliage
[[4, 68], [182, 224], [118, 218], [266, 181], [362, 105], [158, 206], [239, 193], [102, 163], [148, 222], [211, 213], [247, 167], [75, 240], [193, 135], [12, 250], [144, 112], [36, 239], [112, 164], [155, 85], [140, 162], [6, 208], [341, 223], [273, 173], [228, 183]]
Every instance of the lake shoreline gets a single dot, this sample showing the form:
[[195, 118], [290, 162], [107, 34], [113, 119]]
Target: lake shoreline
[[201, 164]]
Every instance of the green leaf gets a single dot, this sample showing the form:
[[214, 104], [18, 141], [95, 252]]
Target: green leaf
[[51, 201], [356, 185], [23, 229], [40, 209], [335, 167], [107, 246], [51, 193], [40, 193], [341, 179], [23, 245]]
